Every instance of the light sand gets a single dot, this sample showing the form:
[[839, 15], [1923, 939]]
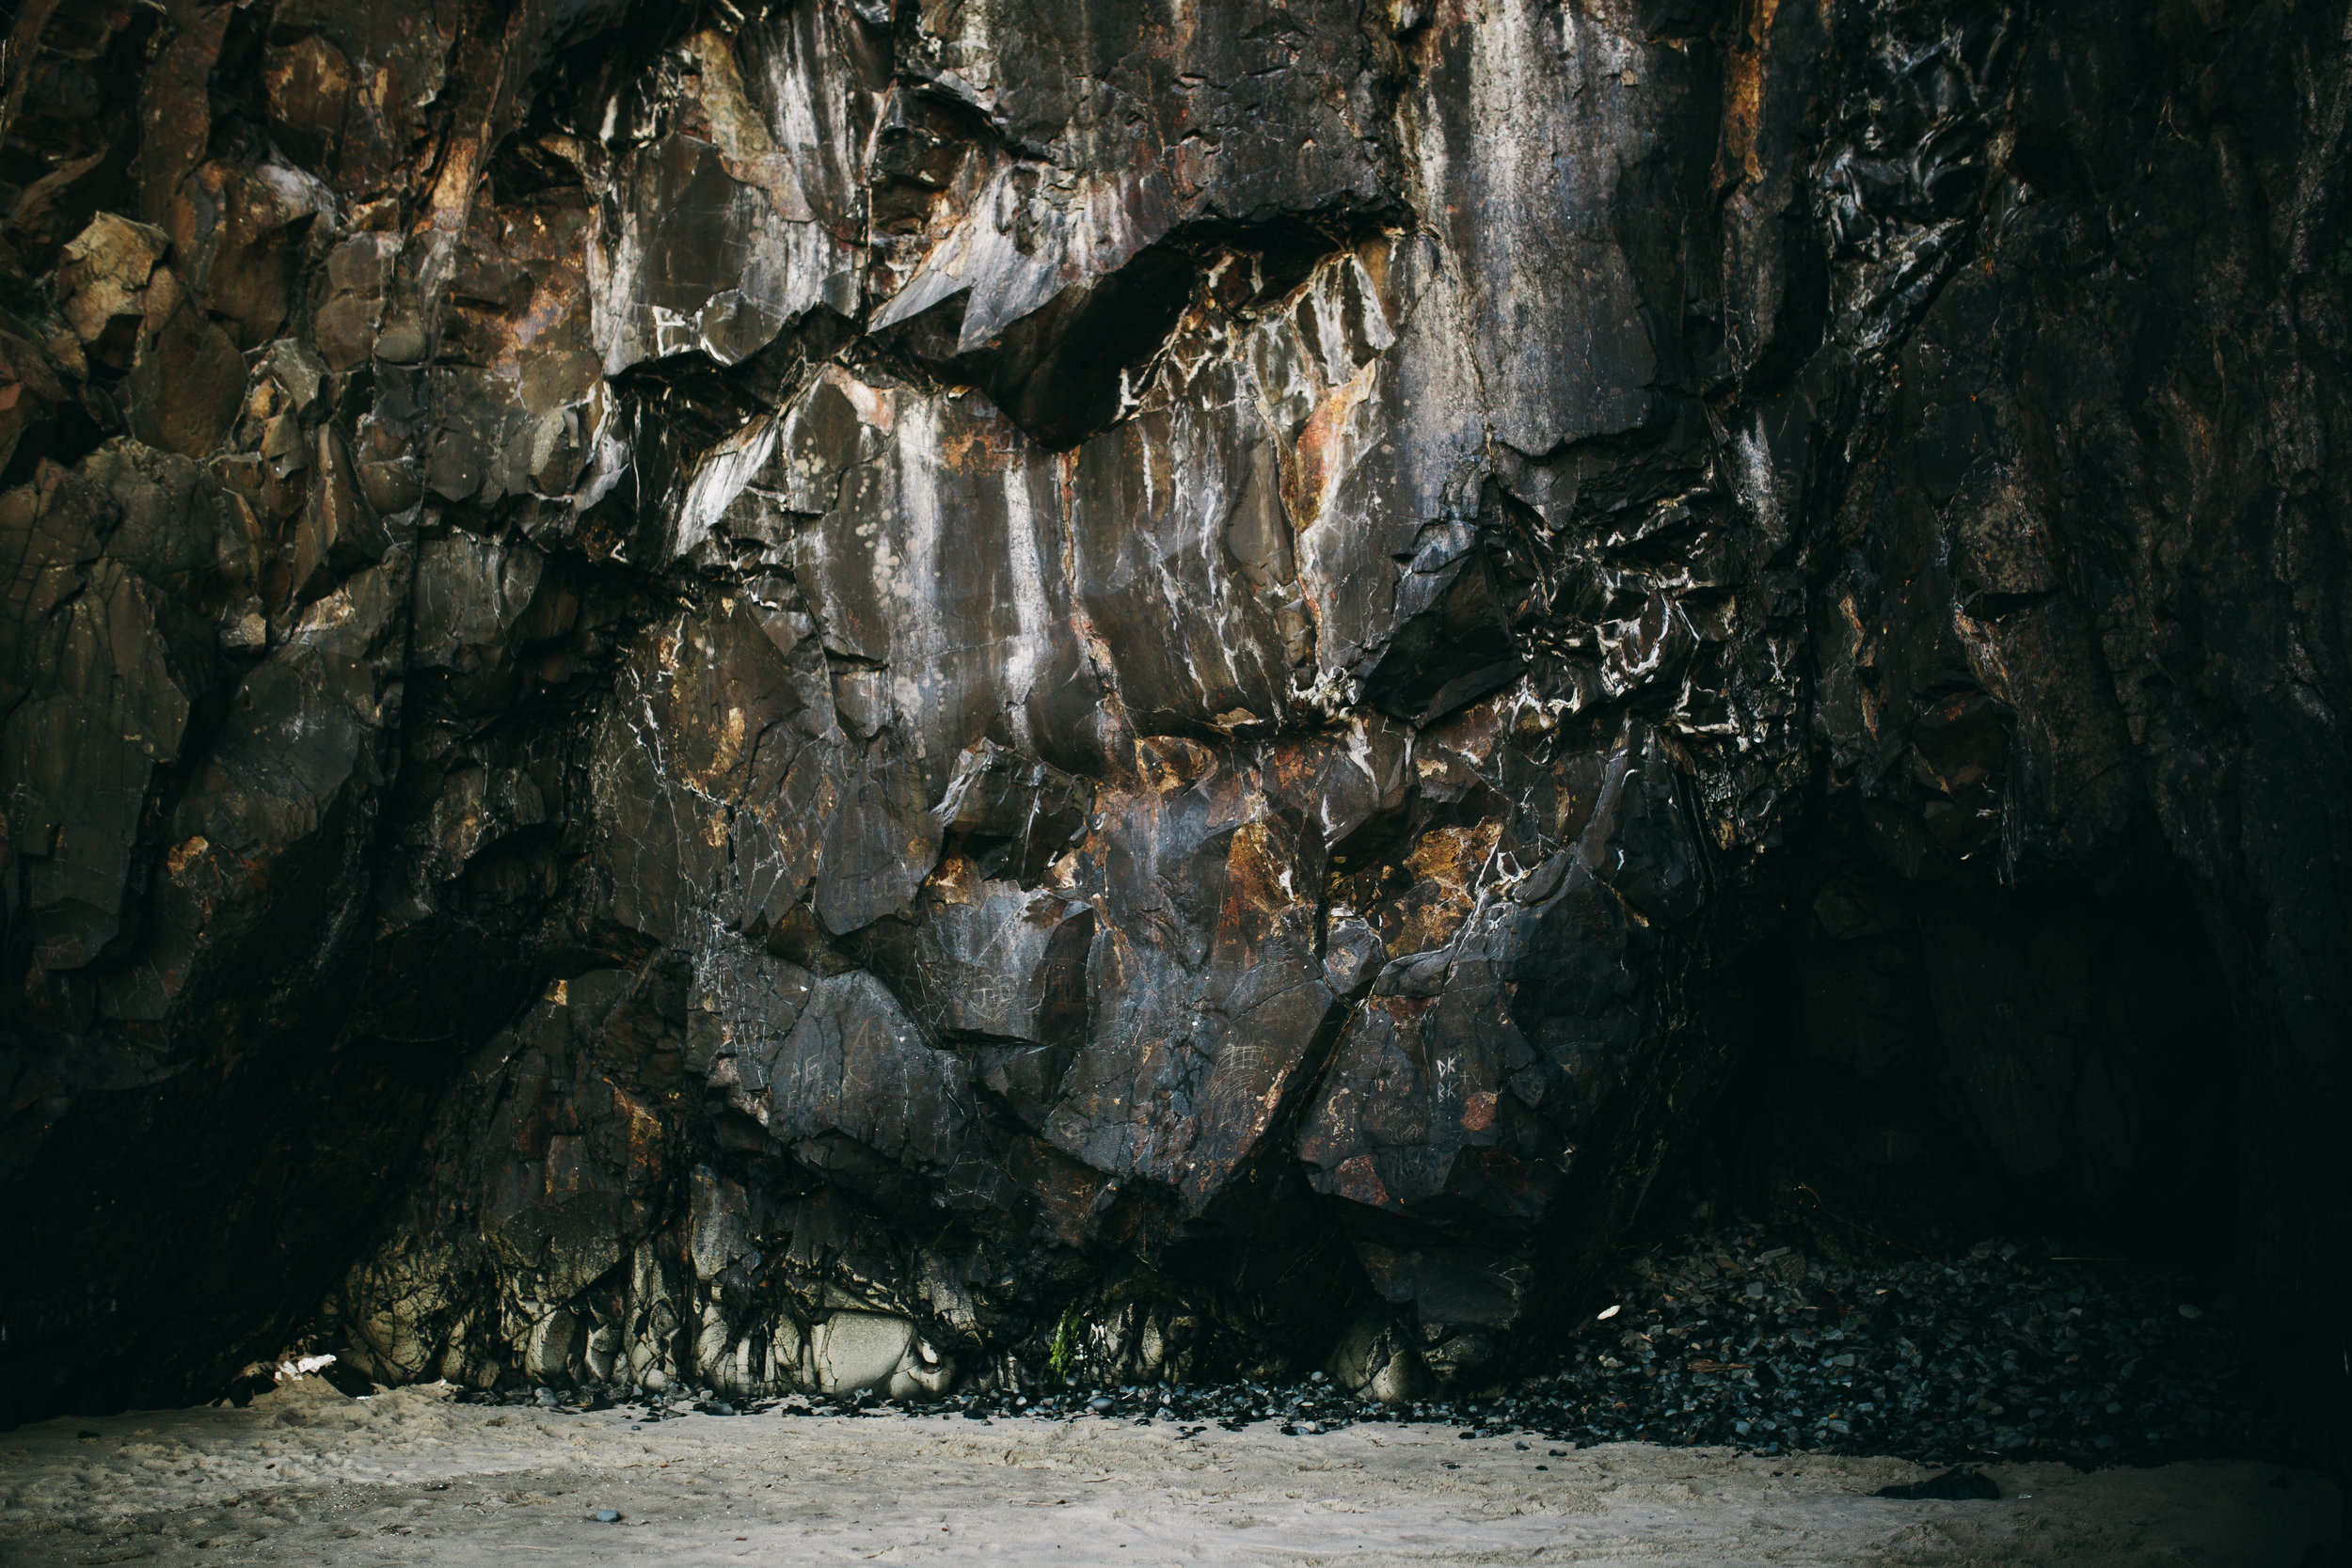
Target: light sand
[[307, 1477]]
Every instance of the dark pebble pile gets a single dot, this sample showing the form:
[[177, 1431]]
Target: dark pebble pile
[[2008, 1351], [2002, 1353]]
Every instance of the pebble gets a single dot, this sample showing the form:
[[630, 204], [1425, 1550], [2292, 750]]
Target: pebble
[[1952, 1486], [2010, 1350]]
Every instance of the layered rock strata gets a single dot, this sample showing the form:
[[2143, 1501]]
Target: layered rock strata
[[836, 693]]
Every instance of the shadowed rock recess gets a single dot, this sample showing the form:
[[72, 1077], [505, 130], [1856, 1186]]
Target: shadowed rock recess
[[834, 694]]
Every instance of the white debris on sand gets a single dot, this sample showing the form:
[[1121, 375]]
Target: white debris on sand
[[306, 1476]]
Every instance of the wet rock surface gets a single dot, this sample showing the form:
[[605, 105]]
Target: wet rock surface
[[835, 693], [2003, 1352]]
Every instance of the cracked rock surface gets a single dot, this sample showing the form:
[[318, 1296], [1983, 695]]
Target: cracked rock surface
[[834, 694]]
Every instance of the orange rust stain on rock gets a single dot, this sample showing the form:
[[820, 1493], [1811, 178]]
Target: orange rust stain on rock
[[1743, 94], [642, 1137], [179, 857], [1291, 767], [1453, 856], [1374, 255], [876, 408], [1448, 863], [1258, 870], [957, 881], [1172, 763], [1359, 1182], [976, 450], [1318, 460]]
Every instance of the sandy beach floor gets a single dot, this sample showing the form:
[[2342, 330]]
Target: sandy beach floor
[[305, 1476]]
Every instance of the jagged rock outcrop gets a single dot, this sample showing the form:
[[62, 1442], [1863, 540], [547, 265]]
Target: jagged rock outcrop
[[834, 693]]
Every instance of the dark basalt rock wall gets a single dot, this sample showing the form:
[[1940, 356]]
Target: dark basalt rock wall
[[1160, 686]]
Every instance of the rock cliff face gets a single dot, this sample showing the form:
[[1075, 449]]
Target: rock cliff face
[[837, 691]]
